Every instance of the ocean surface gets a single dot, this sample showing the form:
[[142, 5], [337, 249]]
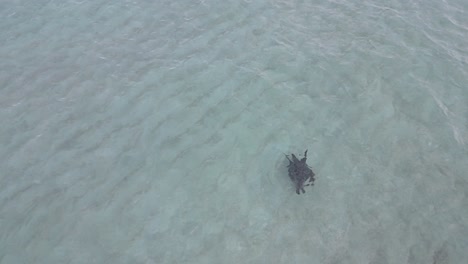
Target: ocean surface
[[156, 131]]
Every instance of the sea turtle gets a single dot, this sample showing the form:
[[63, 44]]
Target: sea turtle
[[300, 172]]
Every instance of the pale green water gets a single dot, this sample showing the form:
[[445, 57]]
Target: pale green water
[[154, 132]]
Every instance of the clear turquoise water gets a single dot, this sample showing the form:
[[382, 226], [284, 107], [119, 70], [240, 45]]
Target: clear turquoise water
[[154, 131]]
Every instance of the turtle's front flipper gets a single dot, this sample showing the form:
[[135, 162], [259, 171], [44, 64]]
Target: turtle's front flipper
[[304, 159], [294, 158]]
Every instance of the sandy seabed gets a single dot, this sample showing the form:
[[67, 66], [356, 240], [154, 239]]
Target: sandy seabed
[[141, 132]]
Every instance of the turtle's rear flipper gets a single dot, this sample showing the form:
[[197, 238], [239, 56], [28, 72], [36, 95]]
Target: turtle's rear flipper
[[298, 190]]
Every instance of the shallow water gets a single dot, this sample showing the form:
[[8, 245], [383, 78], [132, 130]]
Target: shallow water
[[154, 131]]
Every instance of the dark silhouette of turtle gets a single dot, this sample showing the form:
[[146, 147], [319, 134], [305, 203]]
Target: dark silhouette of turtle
[[300, 172]]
